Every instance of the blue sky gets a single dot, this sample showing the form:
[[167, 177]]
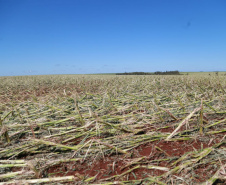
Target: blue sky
[[104, 36]]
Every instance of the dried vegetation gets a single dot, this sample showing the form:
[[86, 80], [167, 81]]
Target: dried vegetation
[[74, 129]]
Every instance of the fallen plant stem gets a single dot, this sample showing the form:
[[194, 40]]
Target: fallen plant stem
[[219, 175], [37, 181], [112, 147], [162, 151], [182, 123]]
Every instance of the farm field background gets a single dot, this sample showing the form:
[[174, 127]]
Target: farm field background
[[108, 129]]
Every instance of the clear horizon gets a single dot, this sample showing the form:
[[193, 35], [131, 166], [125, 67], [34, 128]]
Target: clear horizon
[[86, 37]]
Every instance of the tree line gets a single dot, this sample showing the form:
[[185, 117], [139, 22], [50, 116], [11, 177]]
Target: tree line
[[155, 73]]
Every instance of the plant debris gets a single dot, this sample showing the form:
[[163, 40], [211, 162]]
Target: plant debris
[[91, 129]]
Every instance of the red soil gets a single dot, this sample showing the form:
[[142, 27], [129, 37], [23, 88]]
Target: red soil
[[110, 166]]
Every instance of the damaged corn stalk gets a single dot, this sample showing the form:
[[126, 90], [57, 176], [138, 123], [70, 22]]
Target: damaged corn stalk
[[112, 129]]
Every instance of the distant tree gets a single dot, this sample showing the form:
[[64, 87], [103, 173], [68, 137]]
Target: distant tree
[[167, 73], [155, 73]]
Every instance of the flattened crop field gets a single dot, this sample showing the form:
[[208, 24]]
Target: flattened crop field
[[108, 129]]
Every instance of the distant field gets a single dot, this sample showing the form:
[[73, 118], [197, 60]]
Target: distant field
[[184, 73], [109, 129], [205, 73]]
